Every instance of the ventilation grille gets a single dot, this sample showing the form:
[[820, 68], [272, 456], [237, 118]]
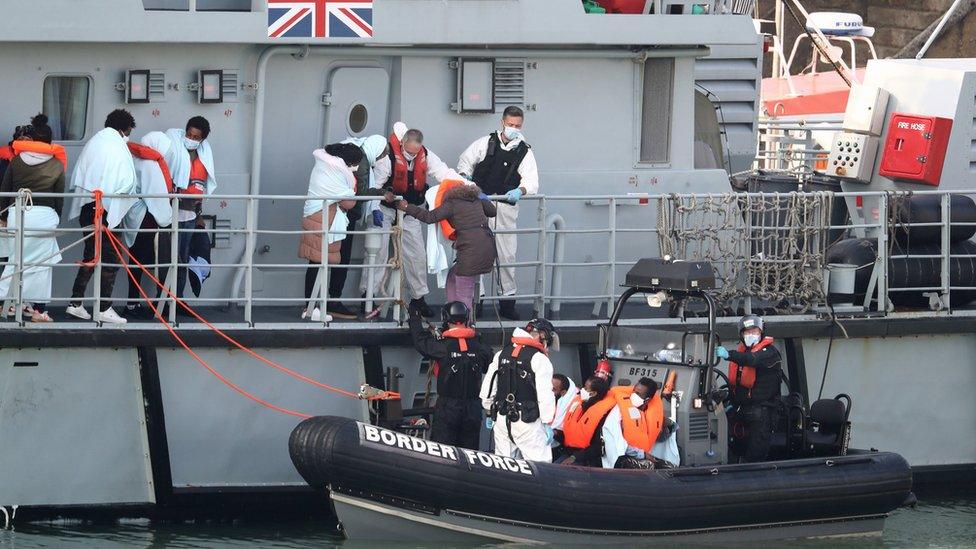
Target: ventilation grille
[[232, 86], [509, 83], [698, 426], [157, 86]]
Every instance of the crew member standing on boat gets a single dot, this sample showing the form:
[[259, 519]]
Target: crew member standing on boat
[[517, 392], [503, 163], [755, 371], [461, 359], [412, 166]]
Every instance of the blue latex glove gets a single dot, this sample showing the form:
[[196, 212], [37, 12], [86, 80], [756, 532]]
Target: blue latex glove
[[549, 434], [377, 218], [489, 423], [722, 352], [482, 196], [513, 196]]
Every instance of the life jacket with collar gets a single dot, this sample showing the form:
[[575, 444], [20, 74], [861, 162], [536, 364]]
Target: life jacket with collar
[[498, 172], [515, 395], [459, 375], [404, 180], [579, 425], [757, 383], [145, 152], [640, 427], [40, 147]]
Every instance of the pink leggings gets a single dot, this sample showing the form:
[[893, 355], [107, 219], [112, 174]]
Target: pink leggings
[[460, 288]]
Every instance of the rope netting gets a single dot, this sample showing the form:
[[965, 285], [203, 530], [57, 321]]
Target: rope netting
[[769, 246]]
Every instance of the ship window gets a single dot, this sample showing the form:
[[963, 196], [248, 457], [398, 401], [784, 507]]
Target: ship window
[[223, 5], [358, 116], [66, 106], [169, 5], [655, 143]]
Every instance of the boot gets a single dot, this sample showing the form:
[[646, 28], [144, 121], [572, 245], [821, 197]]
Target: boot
[[506, 309]]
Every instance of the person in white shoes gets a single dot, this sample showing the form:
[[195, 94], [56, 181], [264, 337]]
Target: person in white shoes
[[105, 164]]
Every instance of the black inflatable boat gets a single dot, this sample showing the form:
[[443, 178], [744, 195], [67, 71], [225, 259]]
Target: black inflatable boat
[[387, 485]]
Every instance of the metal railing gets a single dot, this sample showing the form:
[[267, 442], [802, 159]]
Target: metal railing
[[599, 255]]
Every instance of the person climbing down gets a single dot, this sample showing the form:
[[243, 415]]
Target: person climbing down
[[467, 211]]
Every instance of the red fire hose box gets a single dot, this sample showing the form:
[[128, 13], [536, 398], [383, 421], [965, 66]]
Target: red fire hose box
[[915, 148]]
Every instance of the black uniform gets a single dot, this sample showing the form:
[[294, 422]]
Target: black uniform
[[755, 406], [498, 172], [457, 413]]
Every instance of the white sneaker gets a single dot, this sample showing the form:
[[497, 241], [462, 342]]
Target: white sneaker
[[111, 317], [78, 312], [316, 315]]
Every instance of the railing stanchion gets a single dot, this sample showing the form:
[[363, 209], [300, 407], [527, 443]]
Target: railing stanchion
[[174, 256], [97, 284], [612, 255], [249, 238], [540, 271], [18, 280], [946, 245], [883, 236], [324, 267], [398, 273]]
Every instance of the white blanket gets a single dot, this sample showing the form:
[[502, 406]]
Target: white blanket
[[372, 146], [440, 252], [105, 164], [150, 181], [330, 177], [40, 246], [178, 160]]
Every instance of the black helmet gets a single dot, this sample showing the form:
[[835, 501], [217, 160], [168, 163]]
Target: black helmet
[[750, 321], [455, 312], [550, 337]]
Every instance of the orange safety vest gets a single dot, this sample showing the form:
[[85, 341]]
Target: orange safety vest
[[462, 335], [579, 426], [53, 149], [401, 183], [640, 432], [442, 189], [745, 376]]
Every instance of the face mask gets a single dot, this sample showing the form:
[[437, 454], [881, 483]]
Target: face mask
[[750, 339], [512, 133], [190, 144], [585, 395], [125, 138], [636, 400], [409, 156], [354, 168]]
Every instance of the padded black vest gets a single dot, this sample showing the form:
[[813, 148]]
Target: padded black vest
[[498, 172]]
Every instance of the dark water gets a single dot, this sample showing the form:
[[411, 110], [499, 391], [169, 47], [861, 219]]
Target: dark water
[[941, 519]]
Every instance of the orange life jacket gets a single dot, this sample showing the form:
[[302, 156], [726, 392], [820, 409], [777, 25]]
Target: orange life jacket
[[640, 432], [745, 376], [198, 172], [520, 342], [145, 152], [401, 168], [442, 189], [579, 426], [7, 153], [57, 151], [460, 334]]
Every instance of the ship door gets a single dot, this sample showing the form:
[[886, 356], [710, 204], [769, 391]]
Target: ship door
[[356, 103]]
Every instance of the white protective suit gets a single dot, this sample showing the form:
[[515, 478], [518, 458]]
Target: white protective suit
[[507, 216], [413, 252], [531, 439], [150, 181], [614, 444], [105, 164]]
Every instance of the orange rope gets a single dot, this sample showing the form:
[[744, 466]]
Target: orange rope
[[179, 339], [96, 231], [116, 244]]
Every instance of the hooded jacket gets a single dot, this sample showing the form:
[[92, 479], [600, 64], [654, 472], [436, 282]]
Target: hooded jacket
[[475, 245]]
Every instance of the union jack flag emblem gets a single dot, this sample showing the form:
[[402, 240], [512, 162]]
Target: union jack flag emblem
[[320, 18]]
